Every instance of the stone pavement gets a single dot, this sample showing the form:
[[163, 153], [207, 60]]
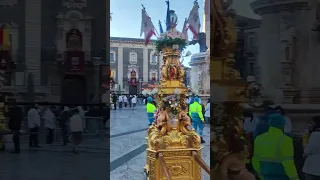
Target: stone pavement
[[128, 129], [56, 162]]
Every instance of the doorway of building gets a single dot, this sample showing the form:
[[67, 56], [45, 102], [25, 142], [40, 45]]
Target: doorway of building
[[133, 90], [73, 90]]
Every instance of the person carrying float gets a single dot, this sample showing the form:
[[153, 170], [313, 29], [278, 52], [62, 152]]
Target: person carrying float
[[195, 112], [151, 110]]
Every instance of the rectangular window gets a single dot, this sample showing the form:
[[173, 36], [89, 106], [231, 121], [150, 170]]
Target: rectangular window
[[112, 57], [154, 59]]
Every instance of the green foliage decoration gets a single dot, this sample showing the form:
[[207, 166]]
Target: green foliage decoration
[[169, 42]]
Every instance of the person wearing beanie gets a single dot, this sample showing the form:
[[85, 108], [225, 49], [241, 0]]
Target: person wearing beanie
[[273, 156], [195, 112], [151, 110], [312, 151]]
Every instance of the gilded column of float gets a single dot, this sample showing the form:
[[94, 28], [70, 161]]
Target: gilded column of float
[[227, 88]]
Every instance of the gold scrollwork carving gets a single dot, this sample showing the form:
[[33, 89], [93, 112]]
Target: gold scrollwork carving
[[176, 153], [177, 169]]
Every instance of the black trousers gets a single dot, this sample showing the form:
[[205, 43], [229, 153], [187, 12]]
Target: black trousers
[[115, 105], [64, 134], [34, 136], [16, 140], [50, 135], [120, 104]]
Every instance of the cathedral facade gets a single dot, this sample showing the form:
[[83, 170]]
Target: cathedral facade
[[133, 64], [61, 43]]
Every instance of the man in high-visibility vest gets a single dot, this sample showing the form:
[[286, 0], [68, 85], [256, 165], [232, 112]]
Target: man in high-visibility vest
[[195, 112], [273, 156], [151, 110]]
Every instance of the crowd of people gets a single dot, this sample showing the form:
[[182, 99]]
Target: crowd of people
[[69, 120], [270, 143], [130, 101]]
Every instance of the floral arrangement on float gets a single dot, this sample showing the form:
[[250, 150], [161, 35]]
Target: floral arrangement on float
[[174, 42]]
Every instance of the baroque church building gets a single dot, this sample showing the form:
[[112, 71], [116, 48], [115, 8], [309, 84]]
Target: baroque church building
[[60, 43]]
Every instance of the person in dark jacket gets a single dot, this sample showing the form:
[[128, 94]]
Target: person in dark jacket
[[63, 123], [15, 120], [114, 99]]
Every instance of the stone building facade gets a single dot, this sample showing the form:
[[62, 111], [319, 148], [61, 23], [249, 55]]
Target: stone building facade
[[54, 41], [133, 64], [247, 46]]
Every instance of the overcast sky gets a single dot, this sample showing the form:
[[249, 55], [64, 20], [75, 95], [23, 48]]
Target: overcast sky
[[243, 8]]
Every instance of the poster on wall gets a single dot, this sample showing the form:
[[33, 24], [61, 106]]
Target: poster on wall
[[74, 62]]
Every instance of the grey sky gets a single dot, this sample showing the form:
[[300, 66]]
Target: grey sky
[[243, 8]]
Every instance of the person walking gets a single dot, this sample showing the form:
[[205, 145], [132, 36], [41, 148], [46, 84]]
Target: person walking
[[114, 100], [76, 129], [134, 101], [151, 109], [50, 124], [34, 124], [195, 112], [312, 152], [130, 101], [15, 120], [63, 123], [120, 101], [207, 112], [249, 125], [288, 125], [273, 155], [125, 100], [263, 124]]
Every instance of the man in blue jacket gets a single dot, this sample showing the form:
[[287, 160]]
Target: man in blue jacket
[[263, 125]]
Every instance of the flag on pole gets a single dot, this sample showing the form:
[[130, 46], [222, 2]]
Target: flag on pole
[[160, 26], [194, 21], [185, 29], [168, 21], [146, 27]]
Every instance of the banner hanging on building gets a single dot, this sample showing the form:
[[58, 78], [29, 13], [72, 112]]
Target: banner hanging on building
[[74, 62]]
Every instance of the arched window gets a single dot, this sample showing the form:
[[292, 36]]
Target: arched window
[[74, 40]]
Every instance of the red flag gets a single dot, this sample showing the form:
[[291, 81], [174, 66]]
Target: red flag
[[147, 27], [194, 21], [185, 29]]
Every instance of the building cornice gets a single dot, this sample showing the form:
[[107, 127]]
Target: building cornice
[[130, 42], [262, 7]]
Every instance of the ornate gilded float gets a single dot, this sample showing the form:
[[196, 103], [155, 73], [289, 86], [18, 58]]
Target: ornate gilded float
[[173, 147]]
